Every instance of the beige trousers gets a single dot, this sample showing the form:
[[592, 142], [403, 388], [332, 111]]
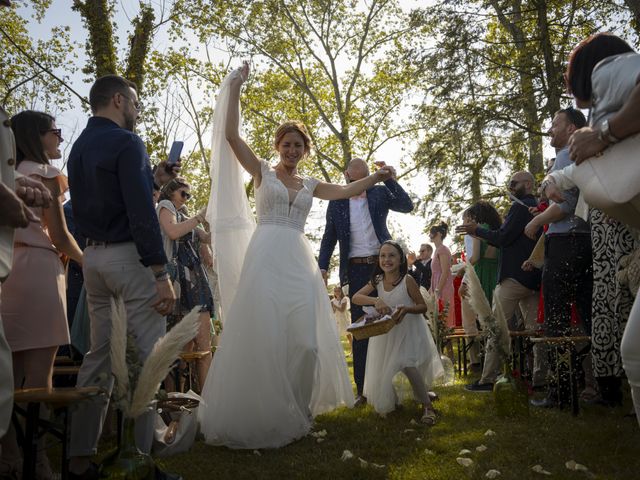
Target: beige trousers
[[512, 295], [108, 271]]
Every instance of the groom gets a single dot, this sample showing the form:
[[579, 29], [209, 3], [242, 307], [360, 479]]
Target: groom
[[359, 224]]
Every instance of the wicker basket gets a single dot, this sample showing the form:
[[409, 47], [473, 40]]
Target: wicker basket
[[372, 329]]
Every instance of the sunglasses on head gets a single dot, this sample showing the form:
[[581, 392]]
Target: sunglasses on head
[[185, 195]]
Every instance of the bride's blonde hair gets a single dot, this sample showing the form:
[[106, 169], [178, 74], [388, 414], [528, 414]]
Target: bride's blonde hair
[[294, 126]]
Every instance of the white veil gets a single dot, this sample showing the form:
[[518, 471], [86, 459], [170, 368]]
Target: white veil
[[228, 212]]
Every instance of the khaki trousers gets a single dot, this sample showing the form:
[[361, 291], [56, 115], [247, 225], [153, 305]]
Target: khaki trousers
[[512, 295], [109, 271]]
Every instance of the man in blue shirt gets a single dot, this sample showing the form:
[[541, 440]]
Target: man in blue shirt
[[111, 191]]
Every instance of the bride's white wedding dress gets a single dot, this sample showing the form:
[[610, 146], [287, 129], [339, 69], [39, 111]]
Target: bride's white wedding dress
[[280, 361]]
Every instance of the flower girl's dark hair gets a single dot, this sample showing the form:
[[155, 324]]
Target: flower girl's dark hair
[[377, 274]]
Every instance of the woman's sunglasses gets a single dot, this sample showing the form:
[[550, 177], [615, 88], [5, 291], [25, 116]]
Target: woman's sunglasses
[[56, 131], [185, 195]]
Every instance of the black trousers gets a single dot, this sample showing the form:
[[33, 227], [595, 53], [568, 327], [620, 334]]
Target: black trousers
[[567, 278], [359, 276]]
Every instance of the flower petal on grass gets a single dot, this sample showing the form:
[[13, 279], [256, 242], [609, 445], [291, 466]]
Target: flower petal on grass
[[493, 473], [464, 461], [320, 434], [320, 440], [257, 452], [407, 430], [429, 452], [464, 451], [540, 469], [413, 422], [481, 448], [346, 455], [576, 467], [363, 462], [418, 439], [489, 433]]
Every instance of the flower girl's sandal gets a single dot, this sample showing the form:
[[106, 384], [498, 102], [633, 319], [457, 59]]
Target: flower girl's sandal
[[429, 417], [170, 434]]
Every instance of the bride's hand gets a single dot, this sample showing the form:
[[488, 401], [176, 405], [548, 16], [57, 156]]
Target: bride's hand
[[384, 173], [242, 73]]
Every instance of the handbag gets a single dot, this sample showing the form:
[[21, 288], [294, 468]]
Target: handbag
[[611, 181]]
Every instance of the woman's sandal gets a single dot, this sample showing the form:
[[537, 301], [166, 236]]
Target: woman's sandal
[[429, 417]]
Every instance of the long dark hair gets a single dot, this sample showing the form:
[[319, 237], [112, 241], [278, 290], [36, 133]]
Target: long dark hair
[[28, 127], [585, 56], [377, 275], [483, 212]]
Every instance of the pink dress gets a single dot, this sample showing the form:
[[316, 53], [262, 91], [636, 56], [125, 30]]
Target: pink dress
[[447, 294], [34, 306]]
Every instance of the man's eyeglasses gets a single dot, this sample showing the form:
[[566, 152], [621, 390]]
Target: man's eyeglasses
[[514, 183], [56, 131], [137, 105], [185, 195]]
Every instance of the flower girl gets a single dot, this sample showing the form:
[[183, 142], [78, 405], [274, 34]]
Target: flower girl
[[406, 347]]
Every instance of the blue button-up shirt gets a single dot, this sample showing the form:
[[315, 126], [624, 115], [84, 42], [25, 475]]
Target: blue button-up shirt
[[112, 189]]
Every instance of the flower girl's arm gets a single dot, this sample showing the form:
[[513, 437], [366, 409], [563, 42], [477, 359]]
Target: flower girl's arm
[[245, 155], [416, 296], [362, 296]]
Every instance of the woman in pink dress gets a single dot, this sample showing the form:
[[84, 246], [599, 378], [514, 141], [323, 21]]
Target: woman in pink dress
[[33, 297], [441, 276]]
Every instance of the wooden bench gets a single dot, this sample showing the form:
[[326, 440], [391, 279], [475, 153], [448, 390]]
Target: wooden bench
[[56, 398], [520, 348], [461, 341], [566, 356]]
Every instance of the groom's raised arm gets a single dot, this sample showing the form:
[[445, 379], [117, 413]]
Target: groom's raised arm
[[398, 199], [329, 240]]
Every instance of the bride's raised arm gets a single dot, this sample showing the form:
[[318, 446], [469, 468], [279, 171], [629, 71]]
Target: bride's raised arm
[[243, 152], [331, 191]]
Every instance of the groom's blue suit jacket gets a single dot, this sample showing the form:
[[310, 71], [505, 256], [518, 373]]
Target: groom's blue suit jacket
[[381, 199]]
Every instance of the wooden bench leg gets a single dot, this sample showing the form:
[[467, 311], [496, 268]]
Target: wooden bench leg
[[30, 452], [464, 355]]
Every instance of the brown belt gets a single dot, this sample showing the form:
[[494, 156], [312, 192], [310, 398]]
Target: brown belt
[[370, 260]]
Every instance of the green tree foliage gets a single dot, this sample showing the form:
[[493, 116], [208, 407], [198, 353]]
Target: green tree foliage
[[337, 65], [27, 65], [493, 80]]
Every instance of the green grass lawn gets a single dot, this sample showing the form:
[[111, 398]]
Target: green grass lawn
[[602, 439]]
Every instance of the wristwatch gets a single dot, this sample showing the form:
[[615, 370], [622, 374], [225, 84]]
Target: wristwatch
[[604, 134]]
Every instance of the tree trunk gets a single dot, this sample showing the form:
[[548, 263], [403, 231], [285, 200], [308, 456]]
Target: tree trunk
[[634, 6], [140, 43], [96, 15]]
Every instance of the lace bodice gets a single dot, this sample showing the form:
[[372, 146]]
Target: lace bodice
[[272, 200]]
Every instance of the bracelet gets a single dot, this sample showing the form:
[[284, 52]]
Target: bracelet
[[163, 277], [161, 273]]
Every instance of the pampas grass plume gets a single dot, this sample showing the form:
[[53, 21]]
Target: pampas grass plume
[[158, 363], [477, 298]]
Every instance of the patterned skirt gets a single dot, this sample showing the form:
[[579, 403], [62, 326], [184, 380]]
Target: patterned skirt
[[612, 302]]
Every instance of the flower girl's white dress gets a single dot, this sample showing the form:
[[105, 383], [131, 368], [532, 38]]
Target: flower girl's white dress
[[408, 344], [280, 361]]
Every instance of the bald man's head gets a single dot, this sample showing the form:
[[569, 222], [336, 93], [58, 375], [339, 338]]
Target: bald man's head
[[357, 169], [522, 183]]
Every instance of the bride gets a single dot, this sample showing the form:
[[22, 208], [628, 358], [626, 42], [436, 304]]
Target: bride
[[280, 361]]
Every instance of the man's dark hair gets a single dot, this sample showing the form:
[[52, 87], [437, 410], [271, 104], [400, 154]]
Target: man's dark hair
[[106, 87], [575, 116], [585, 56]]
